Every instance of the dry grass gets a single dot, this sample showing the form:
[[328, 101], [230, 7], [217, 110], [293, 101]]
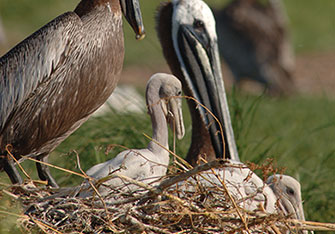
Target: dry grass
[[165, 208], [150, 209]]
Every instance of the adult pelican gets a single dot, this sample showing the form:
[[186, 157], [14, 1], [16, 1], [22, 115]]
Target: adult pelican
[[51, 82], [254, 41], [186, 30], [150, 164]]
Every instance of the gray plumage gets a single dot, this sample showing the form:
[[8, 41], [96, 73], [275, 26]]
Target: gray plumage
[[281, 194], [147, 165], [51, 82], [254, 41]]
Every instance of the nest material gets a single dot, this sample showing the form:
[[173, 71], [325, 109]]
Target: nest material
[[157, 209]]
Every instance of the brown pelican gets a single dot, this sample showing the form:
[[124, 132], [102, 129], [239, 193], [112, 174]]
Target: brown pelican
[[186, 30], [51, 82], [150, 164], [280, 194], [254, 41]]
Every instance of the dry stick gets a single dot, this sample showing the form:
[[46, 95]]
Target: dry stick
[[221, 130], [223, 156], [138, 183], [216, 120], [273, 226], [10, 194], [163, 185], [4, 184], [144, 226], [17, 162], [56, 167], [41, 224], [312, 226], [232, 200], [90, 181], [168, 182], [13, 214], [175, 155], [204, 167], [147, 187]]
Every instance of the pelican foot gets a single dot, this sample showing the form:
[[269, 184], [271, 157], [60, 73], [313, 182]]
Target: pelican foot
[[44, 172], [11, 170]]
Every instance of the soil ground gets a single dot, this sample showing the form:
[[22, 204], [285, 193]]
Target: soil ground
[[314, 74]]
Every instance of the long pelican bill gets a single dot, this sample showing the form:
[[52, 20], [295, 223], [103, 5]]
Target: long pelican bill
[[292, 208], [132, 12], [175, 117], [201, 64]]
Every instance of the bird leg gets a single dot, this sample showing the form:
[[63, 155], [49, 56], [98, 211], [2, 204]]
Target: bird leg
[[44, 171], [11, 170]]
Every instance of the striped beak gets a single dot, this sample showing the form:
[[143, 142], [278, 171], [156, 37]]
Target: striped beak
[[132, 12], [202, 71]]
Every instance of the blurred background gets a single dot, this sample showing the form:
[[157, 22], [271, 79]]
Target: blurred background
[[297, 130]]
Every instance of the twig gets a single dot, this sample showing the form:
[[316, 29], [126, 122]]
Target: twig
[[232, 200], [91, 184], [17, 162], [311, 225], [10, 194], [149, 188], [274, 228], [56, 167], [184, 176], [142, 226], [13, 214], [43, 225], [216, 120], [188, 166]]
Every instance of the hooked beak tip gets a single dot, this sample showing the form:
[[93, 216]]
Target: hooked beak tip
[[140, 35], [180, 136], [132, 12]]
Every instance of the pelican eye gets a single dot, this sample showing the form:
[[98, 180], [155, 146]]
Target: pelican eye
[[179, 93], [290, 191], [198, 24]]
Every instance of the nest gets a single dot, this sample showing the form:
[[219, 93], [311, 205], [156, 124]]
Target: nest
[[151, 209]]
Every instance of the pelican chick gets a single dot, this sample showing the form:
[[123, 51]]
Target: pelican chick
[[150, 164], [280, 194]]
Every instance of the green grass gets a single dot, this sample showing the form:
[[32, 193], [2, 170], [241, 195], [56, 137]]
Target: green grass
[[298, 131], [312, 25]]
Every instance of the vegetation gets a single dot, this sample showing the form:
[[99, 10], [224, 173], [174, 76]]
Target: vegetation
[[312, 24], [298, 131]]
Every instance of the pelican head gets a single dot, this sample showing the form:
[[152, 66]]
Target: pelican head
[[195, 43], [132, 12], [288, 191], [169, 94]]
